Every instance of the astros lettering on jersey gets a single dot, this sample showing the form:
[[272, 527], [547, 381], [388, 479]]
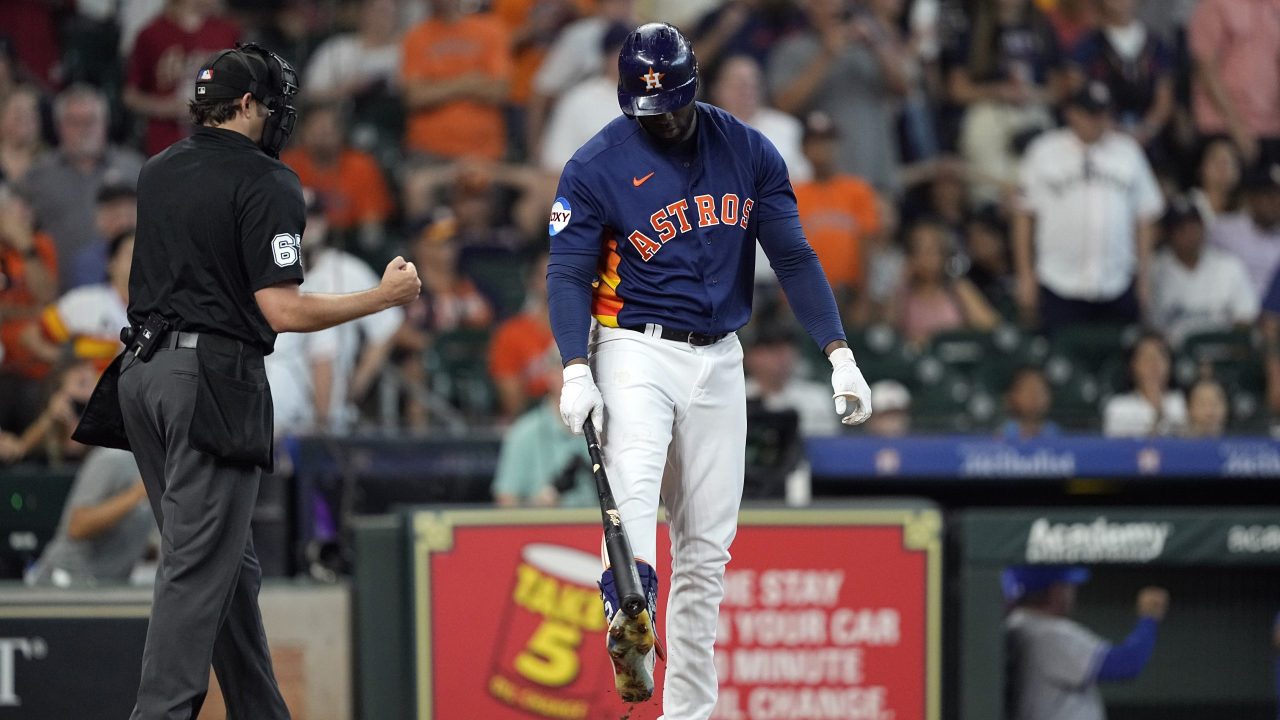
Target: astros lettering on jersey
[[677, 231]]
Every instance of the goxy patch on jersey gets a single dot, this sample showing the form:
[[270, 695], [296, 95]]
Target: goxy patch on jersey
[[561, 212]]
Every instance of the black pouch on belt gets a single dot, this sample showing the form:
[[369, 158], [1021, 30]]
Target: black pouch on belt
[[102, 423], [232, 418]]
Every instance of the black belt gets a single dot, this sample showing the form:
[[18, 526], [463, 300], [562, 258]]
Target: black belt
[[173, 340], [686, 336]]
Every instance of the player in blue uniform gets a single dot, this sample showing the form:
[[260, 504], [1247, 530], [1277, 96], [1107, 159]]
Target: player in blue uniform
[[652, 237]]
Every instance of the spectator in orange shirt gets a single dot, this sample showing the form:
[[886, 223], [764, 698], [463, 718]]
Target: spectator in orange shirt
[[349, 181], [839, 212], [28, 281], [455, 71], [519, 349]]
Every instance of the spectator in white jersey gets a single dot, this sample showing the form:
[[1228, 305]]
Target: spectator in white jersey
[[1055, 663], [584, 108], [344, 361], [1083, 234], [1197, 288]]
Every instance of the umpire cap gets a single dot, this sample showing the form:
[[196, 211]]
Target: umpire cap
[[657, 71], [1020, 581]]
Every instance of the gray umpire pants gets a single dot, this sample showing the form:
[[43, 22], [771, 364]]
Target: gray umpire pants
[[205, 609]]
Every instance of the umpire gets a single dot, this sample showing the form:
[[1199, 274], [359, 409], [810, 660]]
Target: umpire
[[215, 276]]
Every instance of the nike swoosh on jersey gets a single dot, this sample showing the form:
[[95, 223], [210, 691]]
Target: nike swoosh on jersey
[[637, 182]]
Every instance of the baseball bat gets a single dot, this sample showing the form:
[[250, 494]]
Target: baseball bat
[[626, 580]]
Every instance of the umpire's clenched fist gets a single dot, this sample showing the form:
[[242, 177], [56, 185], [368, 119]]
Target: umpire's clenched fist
[[400, 282]]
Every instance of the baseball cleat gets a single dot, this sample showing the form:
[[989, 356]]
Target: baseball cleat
[[631, 644]]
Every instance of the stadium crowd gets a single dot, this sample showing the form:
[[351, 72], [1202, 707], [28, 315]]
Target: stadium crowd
[[1039, 216]]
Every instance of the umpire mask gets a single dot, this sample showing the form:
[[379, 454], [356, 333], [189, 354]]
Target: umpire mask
[[269, 78]]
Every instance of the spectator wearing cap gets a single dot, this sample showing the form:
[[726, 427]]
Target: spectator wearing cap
[[892, 401], [739, 89], [1027, 402], [843, 67], [1134, 64], [348, 181], [166, 55], [63, 186], [1235, 51], [357, 64], [1253, 236], [584, 108], [771, 361], [115, 214], [1084, 230], [1195, 288], [20, 143], [839, 212], [454, 73], [1055, 662]]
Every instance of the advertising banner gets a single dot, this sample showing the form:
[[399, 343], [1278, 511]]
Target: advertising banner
[[827, 615], [1154, 536], [56, 661], [964, 458]]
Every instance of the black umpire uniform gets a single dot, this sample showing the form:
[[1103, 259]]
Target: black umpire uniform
[[219, 218]]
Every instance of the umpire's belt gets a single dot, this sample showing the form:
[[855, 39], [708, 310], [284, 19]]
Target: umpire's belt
[[173, 340], [685, 336]]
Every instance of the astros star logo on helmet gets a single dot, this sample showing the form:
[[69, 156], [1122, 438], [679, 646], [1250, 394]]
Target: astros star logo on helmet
[[652, 80]]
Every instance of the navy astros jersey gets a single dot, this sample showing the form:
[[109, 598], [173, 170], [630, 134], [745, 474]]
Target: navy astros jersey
[[654, 235]]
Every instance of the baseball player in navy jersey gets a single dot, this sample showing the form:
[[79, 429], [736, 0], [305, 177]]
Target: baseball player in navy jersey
[[652, 259]]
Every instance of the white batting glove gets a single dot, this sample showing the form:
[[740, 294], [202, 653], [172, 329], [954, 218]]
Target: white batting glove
[[851, 390], [579, 398]]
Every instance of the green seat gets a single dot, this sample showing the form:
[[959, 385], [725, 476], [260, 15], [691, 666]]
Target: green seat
[[962, 350], [1230, 356], [942, 404], [457, 367], [1011, 350], [1089, 346], [880, 354], [1220, 345], [1075, 402]]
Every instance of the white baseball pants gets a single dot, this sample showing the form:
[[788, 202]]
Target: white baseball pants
[[675, 429]]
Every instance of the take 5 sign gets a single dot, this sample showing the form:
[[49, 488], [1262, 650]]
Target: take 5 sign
[[827, 615]]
